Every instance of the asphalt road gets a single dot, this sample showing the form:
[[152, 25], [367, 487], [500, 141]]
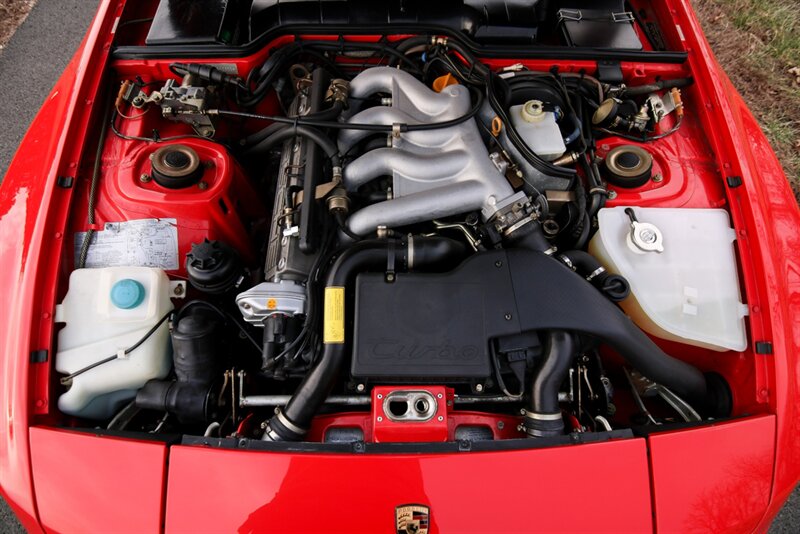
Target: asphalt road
[[31, 64]]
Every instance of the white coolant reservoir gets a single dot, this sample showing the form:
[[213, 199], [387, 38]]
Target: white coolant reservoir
[[538, 129], [107, 311], [681, 267]]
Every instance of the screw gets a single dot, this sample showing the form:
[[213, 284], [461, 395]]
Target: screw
[[361, 387], [179, 289], [380, 419], [507, 317], [438, 395], [478, 387], [498, 264], [380, 396], [144, 178], [658, 178], [501, 425], [246, 306], [440, 418], [203, 185], [612, 195], [390, 277]]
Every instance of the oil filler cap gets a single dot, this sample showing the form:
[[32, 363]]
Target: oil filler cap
[[127, 294]]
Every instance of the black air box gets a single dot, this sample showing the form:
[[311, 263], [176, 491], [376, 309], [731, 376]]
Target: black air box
[[420, 327]]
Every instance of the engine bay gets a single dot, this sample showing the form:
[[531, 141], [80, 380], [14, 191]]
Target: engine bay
[[390, 237]]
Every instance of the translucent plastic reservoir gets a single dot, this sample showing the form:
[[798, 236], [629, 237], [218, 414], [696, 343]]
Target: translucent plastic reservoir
[[539, 130], [106, 311], [689, 292]]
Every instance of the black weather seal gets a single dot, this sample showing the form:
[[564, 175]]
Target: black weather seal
[[38, 356], [485, 51], [643, 431], [763, 347], [448, 447], [167, 439], [734, 181]]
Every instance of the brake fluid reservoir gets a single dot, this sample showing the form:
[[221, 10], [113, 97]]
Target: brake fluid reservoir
[[682, 271], [107, 311], [538, 129]]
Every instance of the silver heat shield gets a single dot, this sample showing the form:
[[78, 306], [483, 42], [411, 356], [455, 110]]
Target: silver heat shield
[[435, 173]]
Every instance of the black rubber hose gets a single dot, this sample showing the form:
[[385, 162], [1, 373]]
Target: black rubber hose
[[322, 140], [407, 44], [614, 286], [262, 134], [292, 423], [529, 237], [331, 113], [543, 418]]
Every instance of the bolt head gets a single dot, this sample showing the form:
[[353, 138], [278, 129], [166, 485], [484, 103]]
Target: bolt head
[[144, 178], [501, 425], [361, 387], [612, 195], [479, 387], [440, 418], [508, 317], [380, 419]]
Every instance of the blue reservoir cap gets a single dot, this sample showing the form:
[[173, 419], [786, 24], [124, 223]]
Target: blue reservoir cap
[[127, 294]]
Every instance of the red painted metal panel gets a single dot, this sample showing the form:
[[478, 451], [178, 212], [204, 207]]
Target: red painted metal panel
[[87, 483], [713, 479], [564, 489]]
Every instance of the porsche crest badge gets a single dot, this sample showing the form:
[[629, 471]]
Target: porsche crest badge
[[412, 519]]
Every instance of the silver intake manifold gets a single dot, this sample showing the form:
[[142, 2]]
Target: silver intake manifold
[[436, 173]]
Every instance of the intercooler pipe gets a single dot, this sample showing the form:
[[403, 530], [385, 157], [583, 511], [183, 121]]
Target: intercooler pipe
[[291, 423], [543, 418]]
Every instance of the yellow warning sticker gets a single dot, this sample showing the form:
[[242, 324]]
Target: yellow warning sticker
[[333, 320]]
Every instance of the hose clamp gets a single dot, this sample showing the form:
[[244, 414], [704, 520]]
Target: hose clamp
[[279, 415], [597, 272], [537, 416]]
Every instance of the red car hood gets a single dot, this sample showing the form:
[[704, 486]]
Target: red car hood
[[709, 479]]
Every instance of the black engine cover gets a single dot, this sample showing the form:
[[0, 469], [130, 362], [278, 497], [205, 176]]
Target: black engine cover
[[420, 327]]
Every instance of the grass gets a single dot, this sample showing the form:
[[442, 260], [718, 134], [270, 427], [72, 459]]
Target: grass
[[758, 45]]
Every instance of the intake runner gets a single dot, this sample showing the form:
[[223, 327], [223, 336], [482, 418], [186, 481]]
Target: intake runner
[[436, 173]]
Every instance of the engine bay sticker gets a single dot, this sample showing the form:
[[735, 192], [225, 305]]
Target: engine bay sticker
[[333, 319], [139, 243]]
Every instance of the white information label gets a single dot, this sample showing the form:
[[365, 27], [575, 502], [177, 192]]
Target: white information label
[[139, 243]]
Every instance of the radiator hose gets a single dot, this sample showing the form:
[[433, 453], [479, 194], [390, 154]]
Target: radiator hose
[[292, 423]]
